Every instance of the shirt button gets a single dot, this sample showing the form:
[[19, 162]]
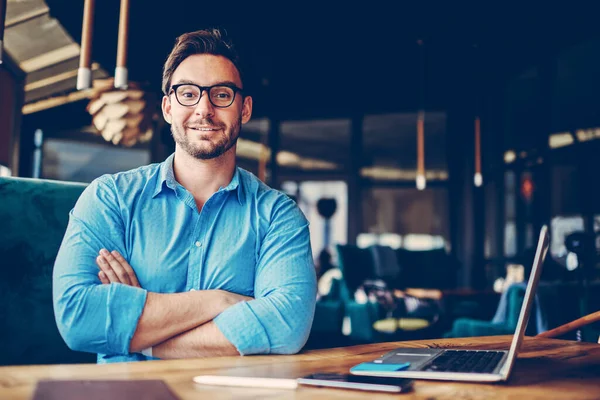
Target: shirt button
[[192, 290], [198, 244]]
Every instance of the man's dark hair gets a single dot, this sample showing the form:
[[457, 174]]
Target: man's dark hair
[[209, 41]]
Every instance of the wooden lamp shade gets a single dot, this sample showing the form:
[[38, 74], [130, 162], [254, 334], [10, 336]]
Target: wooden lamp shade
[[122, 116]]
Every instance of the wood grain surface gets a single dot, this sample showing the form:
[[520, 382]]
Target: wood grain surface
[[545, 369]]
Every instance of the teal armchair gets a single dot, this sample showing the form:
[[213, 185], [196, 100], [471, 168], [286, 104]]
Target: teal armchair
[[356, 265], [33, 215], [329, 312], [504, 323], [555, 304], [380, 263]]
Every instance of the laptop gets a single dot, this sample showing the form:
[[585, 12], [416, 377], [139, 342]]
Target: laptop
[[472, 365]]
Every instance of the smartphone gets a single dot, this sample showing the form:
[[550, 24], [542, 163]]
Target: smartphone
[[346, 381]]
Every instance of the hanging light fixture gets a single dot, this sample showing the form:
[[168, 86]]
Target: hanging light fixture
[[121, 68], [420, 180], [3, 5], [122, 116], [122, 111], [84, 73], [478, 177]]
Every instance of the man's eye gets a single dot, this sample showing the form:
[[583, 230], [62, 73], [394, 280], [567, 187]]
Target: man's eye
[[222, 95]]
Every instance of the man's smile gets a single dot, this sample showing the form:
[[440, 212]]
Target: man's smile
[[204, 128]]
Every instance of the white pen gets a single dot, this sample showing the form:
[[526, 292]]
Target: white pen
[[246, 381]]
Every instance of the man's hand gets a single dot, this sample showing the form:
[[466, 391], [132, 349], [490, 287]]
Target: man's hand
[[115, 269]]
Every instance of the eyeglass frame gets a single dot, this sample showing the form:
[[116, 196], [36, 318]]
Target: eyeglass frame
[[205, 89]]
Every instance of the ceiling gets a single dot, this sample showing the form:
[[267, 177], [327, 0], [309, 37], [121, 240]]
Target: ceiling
[[314, 66], [294, 50]]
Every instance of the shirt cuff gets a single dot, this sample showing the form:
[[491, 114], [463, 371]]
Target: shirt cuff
[[243, 329], [124, 309]]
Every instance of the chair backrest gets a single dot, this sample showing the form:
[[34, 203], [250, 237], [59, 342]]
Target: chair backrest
[[33, 215], [434, 269], [385, 263], [560, 303], [556, 303], [356, 265]]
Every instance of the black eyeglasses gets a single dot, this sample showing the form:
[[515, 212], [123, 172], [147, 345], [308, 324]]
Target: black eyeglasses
[[189, 94]]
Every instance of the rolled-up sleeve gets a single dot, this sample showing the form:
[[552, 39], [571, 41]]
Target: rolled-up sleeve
[[93, 317], [279, 319]]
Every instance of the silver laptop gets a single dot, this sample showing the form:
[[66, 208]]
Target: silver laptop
[[472, 365]]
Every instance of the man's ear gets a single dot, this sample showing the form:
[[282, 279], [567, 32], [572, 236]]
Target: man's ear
[[246, 109], [166, 109]]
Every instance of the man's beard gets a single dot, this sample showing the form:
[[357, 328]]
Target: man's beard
[[228, 138]]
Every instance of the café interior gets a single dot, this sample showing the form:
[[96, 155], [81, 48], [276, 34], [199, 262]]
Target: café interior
[[426, 144]]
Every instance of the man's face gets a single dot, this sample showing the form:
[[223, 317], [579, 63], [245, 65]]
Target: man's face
[[205, 131]]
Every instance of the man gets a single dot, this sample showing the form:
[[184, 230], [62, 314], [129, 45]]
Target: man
[[191, 257]]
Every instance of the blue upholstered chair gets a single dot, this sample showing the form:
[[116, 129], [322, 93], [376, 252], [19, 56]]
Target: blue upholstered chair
[[33, 215]]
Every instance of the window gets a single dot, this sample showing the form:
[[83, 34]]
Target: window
[[420, 217], [561, 228], [307, 195], [70, 160]]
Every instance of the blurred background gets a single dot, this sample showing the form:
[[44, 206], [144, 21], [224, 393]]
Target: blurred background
[[494, 106]]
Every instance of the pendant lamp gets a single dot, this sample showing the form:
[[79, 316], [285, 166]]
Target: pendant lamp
[[84, 73], [420, 179], [121, 68], [478, 177], [3, 5]]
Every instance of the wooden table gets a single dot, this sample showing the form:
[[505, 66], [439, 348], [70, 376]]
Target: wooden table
[[546, 369]]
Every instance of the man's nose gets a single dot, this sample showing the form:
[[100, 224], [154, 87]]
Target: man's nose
[[204, 107]]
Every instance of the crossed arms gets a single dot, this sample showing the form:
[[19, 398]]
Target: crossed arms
[[120, 318], [178, 325]]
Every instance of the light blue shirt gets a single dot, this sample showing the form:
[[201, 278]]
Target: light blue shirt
[[248, 239]]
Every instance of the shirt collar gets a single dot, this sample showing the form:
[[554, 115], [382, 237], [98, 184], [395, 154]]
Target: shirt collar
[[236, 184], [167, 178]]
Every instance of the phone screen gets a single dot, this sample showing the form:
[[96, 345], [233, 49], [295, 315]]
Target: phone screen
[[347, 381]]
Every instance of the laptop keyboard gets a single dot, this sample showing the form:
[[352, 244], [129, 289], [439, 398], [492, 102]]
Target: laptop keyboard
[[465, 361]]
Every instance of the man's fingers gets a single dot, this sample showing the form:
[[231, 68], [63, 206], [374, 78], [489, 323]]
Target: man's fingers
[[116, 268], [118, 271], [103, 277], [126, 267], [107, 269]]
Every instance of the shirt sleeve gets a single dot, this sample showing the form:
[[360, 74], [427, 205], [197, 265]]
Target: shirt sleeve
[[279, 319], [91, 316]]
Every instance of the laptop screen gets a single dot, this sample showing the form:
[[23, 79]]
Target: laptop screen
[[540, 255]]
